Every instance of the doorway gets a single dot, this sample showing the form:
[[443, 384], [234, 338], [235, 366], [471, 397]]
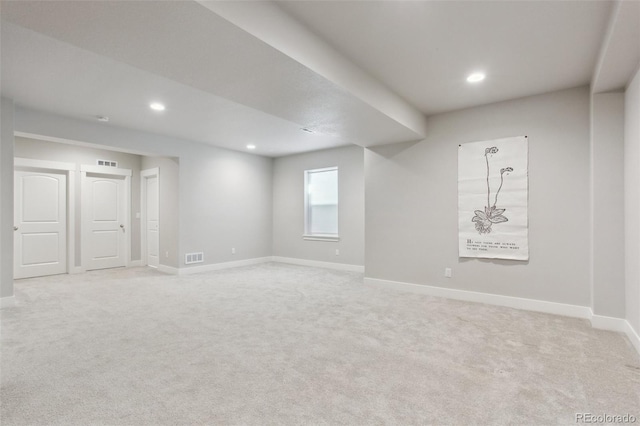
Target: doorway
[[40, 223], [150, 216], [105, 217]]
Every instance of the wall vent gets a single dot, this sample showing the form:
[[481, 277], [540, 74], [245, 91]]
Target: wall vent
[[193, 258], [107, 163]]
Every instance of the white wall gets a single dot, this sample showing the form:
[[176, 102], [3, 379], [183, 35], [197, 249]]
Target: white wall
[[288, 206], [225, 203], [6, 198], [411, 202], [607, 204], [632, 201], [225, 196], [81, 155]]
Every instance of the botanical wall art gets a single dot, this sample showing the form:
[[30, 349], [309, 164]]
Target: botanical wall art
[[492, 199]]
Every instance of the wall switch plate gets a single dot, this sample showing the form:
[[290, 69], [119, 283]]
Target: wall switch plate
[[233, 250], [337, 252], [447, 272], [137, 215], [166, 254]]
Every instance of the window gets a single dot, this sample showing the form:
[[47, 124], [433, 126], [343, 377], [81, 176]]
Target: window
[[321, 204]]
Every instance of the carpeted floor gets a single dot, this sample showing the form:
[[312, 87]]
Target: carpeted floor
[[284, 344]]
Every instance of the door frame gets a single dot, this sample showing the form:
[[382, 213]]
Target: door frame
[[144, 175], [108, 172], [68, 169]]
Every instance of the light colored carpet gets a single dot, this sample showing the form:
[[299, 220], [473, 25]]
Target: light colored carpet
[[284, 344]]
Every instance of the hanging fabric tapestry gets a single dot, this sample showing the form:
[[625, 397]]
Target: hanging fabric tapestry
[[492, 199]]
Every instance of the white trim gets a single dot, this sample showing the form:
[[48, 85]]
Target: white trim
[[247, 262], [127, 218], [29, 163], [105, 170], [319, 264], [597, 321], [223, 265], [608, 323], [150, 172], [168, 270], [144, 175], [135, 263], [71, 220], [307, 226], [7, 302], [490, 299], [320, 237], [77, 270], [632, 335]]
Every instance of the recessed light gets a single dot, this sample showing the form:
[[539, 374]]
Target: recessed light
[[475, 77], [156, 106], [102, 118], [251, 147], [304, 129]]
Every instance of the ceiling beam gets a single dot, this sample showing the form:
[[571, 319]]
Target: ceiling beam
[[269, 23], [619, 56]]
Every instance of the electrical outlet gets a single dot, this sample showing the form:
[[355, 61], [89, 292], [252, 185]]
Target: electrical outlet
[[337, 252], [447, 272], [233, 250]]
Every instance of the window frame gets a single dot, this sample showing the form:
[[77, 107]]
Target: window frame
[[308, 235]]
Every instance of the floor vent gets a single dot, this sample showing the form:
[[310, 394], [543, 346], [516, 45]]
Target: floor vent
[[193, 258], [107, 163]]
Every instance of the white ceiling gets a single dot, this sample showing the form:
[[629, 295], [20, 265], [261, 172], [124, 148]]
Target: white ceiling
[[50, 75], [364, 72], [221, 85], [424, 50]]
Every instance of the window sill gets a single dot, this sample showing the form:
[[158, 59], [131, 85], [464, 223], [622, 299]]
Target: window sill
[[319, 237]]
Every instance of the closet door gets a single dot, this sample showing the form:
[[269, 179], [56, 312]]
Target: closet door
[[40, 224]]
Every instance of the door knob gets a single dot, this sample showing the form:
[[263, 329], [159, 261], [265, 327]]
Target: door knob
[[15, 228]]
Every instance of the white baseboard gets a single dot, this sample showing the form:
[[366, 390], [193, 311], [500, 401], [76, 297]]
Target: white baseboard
[[135, 263], [490, 299], [168, 269], [247, 262], [223, 265], [77, 270], [632, 335], [608, 323], [597, 321], [7, 302], [318, 264]]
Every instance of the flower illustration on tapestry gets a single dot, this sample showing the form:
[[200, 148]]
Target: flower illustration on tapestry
[[491, 214]]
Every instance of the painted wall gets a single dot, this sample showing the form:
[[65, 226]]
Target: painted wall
[[632, 201], [225, 203], [288, 206], [169, 204], [80, 155], [607, 204], [411, 202], [225, 196], [6, 198]]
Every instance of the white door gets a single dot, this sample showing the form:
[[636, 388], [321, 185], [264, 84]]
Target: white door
[[40, 229], [104, 211], [152, 217]]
